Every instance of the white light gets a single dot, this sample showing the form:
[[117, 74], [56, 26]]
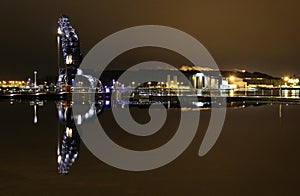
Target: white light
[[79, 120], [91, 112], [59, 32], [199, 74], [59, 159], [79, 72], [107, 90], [69, 60], [199, 104]]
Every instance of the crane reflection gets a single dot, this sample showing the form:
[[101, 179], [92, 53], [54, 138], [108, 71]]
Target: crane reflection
[[68, 137]]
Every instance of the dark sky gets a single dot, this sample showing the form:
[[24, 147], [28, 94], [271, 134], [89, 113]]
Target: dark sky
[[257, 36]]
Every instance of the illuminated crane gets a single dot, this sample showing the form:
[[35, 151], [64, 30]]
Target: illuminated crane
[[69, 60], [69, 49]]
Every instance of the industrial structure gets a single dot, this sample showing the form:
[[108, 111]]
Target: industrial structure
[[69, 60]]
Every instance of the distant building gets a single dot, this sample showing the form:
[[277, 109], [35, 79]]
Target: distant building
[[233, 82], [203, 77]]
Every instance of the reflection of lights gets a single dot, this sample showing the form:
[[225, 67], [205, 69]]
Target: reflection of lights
[[79, 72], [79, 120], [35, 120], [107, 102], [91, 112], [58, 150], [69, 132], [58, 159], [198, 104], [107, 90], [286, 93]]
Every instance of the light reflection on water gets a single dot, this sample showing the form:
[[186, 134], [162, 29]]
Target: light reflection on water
[[259, 144], [294, 93], [68, 140]]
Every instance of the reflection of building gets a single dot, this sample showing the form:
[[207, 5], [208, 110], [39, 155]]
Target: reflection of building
[[68, 150], [35, 105], [69, 139]]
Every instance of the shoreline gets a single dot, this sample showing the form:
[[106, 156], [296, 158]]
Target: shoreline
[[153, 98]]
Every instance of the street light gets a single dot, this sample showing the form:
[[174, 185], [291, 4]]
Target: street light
[[58, 53], [35, 72]]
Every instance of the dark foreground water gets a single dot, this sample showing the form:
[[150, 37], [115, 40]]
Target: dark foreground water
[[257, 153]]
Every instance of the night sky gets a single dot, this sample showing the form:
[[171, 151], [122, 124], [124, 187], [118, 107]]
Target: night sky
[[256, 36]]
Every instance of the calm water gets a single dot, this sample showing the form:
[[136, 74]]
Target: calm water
[[256, 153]]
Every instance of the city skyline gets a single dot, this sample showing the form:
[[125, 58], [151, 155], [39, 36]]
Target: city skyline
[[175, 98]]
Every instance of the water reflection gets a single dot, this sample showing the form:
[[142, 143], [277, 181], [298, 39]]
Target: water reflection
[[68, 138], [35, 104], [68, 144]]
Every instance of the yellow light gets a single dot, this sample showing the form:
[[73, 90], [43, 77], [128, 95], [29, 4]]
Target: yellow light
[[69, 132], [286, 78], [231, 78]]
